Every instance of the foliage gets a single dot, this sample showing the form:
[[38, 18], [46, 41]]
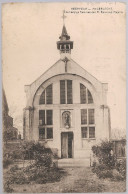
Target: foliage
[[7, 162], [37, 152], [44, 160], [108, 166], [106, 174], [44, 175], [31, 174], [102, 171], [12, 151], [27, 151], [31, 148], [8, 188], [41, 171], [103, 153], [7, 135], [121, 168]]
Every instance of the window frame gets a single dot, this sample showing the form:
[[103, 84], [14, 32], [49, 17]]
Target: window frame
[[82, 128], [42, 98], [83, 90], [87, 94], [88, 125], [51, 94], [45, 133], [69, 93], [91, 116], [45, 125], [61, 91], [45, 96], [43, 128], [66, 91]]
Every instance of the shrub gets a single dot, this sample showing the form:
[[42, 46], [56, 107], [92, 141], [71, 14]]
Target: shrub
[[117, 176], [103, 153], [108, 166], [41, 171], [7, 162], [103, 167], [121, 168], [32, 174], [25, 150], [42, 176], [31, 150], [14, 168], [8, 188], [106, 174], [35, 151], [19, 177], [17, 154], [43, 159], [102, 171]]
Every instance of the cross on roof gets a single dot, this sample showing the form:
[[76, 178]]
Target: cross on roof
[[63, 16], [65, 60]]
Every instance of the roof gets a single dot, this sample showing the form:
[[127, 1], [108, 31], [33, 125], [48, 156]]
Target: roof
[[64, 34], [59, 69]]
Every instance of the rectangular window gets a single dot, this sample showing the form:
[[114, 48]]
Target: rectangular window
[[49, 95], [49, 133], [91, 116], [82, 94], [83, 116], [49, 117], [62, 92], [41, 117], [84, 132], [46, 119], [91, 132], [42, 133], [69, 91]]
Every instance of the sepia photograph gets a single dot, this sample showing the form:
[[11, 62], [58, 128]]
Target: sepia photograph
[[64, 97]]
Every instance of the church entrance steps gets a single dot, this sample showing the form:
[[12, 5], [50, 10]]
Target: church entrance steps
[[71, 162]]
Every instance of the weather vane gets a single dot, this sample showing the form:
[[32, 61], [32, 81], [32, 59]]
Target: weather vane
[[63, 16]]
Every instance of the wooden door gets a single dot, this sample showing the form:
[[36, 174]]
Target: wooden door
[[64, 145]]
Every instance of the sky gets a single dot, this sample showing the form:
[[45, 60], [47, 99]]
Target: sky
[[29, 35]]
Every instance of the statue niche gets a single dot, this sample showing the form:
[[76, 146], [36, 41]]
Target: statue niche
[[66, 119]]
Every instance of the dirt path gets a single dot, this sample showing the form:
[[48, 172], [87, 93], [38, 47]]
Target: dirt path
[[78, 180]]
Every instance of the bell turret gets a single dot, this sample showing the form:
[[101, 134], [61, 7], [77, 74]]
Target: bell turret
[[64, 45]]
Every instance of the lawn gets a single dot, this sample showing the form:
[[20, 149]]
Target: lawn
[[74, 180]]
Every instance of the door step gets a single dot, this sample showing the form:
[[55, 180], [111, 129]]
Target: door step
[[74, 162]]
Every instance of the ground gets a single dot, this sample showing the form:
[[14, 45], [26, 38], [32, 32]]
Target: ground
[[79, 180]]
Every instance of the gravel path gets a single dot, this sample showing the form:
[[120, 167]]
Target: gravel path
[[78, 180]]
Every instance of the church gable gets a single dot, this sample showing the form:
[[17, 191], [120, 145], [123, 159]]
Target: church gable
[[72, 68]]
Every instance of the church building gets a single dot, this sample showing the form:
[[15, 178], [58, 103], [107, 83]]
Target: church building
[[67, 107]]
